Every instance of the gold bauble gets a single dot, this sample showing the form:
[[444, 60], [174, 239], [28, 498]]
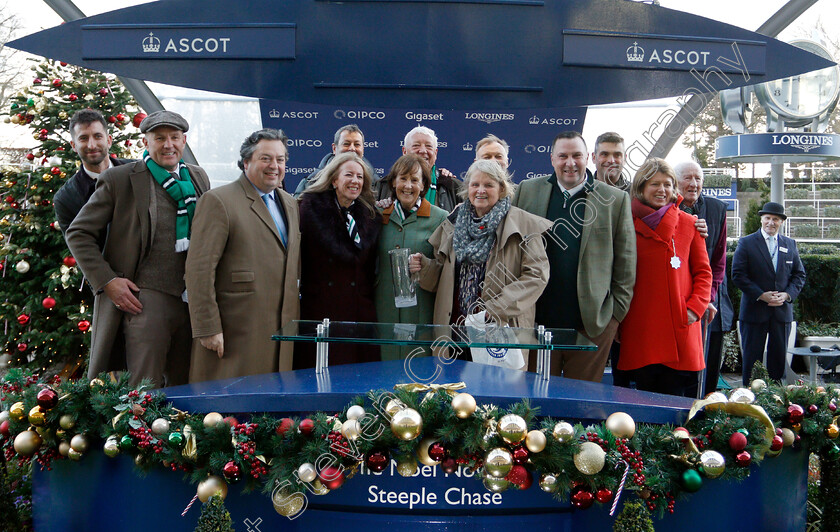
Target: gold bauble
[[64, 448], [355, 412], [407, 424], [742, 395], [621, 425], [318, 487], [832, 431], [17, 411], [773, 454], [717, 397], [47, 178], [758, 385], [423, 452], [211, 420], [27, 443], [111, 447], [796, 427], [75, 455], [464, 405], [139, 459], [548, 483], [37, 417], [287, 504], [590, 459], [48, 433], [160, 426], [351, 429], [96, 382], [495, 484], [62, 115], [713, 463], [563, 432], [512, 428], [407, 467], [498, 462], [67, 421], [211, 486], [535, 441], [80, 443], [393, 406], [788, 437]]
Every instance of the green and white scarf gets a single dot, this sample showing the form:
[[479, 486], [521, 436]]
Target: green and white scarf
[[182, 191]]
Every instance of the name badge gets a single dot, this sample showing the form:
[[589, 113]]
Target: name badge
[[783, 250]]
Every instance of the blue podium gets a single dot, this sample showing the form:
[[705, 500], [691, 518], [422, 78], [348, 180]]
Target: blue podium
[[99, 493]]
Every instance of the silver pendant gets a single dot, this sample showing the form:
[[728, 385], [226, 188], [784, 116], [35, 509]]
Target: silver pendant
[[675, 262]]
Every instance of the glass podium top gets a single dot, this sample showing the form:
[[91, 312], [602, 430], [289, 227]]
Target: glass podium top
[[433, 335]]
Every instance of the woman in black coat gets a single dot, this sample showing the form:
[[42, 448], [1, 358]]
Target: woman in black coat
[[339, 228]]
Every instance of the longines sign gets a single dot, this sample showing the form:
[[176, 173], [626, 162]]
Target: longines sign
[[662, 52], [788, 146], [188, 41]]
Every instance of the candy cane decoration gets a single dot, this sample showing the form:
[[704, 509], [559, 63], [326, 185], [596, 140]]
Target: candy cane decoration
[[621, 485], [187, 509]]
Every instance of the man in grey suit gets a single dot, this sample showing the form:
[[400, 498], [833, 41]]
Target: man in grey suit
[[591, 251], [243, 267], [142, 211]]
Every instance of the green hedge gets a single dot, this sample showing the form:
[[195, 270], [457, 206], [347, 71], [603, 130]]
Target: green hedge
[[819, 300]]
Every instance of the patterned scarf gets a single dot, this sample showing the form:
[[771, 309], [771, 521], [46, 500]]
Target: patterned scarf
[[182, 191], [352, 230], [401, 214], [474, 237]]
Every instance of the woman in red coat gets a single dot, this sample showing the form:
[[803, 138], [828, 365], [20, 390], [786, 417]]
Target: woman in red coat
[[661, 337]]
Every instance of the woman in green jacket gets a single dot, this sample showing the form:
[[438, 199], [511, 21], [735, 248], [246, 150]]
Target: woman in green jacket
[[407, 223]]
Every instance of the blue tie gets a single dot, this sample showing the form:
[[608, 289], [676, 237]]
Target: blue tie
[[268, 199]]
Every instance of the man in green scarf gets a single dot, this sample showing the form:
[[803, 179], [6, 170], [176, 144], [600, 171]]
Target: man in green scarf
[[143, 211]]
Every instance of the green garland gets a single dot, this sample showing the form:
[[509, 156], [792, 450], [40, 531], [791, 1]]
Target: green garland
[[264, 451]]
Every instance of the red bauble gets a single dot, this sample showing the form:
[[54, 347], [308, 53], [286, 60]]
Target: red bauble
[[4, 428], [63, 63], [813, 409], [832, 406], [230, 420], [306, 427], [777, 443], [15, 205], [69, 261], [47, 398], [520, 455], [10, 199], [331, 477], [22, 347], [232, 471], [582, 498], [83, 325], [23, 319], [377, 461], [743, 459], [795, 413], [56, 83], [36, 81], [449, 465], [72, 97], [437, 451], [103, 92], [285, 424], [120, 117], [136, 119], [55, 170], [519, 475], [111, 119], [738, 442], [30, 156], [48, 302], [603, 495]]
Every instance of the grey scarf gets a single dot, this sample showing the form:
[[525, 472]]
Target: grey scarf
[[474, 237]]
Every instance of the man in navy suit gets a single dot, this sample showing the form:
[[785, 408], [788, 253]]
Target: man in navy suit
[[767, 269]]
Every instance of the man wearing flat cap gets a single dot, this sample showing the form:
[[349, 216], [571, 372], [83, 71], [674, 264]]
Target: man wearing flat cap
[[143, 212], [767, 269]]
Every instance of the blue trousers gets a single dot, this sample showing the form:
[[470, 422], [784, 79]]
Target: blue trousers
[[753, 336]]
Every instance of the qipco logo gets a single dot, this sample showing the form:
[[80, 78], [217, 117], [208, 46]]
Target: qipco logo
[[359, 115], [304, 143]]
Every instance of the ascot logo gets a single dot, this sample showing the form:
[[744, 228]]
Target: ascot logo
[[304, 115], [552, 121], [467, 146], [635, 53], [151, 44], [803, 142], [489, 118]]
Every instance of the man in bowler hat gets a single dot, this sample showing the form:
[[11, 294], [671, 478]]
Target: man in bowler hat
[[767, 269]]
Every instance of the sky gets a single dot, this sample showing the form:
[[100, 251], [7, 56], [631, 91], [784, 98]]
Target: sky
[[630, 119]]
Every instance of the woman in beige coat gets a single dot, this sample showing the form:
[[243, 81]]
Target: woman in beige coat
[[488, 255]]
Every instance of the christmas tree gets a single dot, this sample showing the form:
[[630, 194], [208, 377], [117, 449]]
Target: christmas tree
[[44, 310], [214, 517]]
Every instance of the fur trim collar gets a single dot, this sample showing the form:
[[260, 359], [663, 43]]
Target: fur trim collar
[[321, 221]]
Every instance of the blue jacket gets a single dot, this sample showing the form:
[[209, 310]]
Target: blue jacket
[[752, 272]]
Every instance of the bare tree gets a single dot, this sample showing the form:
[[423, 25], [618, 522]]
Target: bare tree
[[11, 67]]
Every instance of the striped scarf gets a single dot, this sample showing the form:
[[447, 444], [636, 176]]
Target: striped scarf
[[401, 214], [182, 191], [352, 230]]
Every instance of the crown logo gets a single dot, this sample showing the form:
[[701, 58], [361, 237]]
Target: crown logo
[[534, 120], [151, 44], [467, 146], [274, 113], [635, 53]]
